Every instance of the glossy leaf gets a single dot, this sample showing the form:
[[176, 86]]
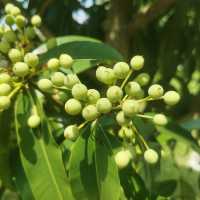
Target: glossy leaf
[[106, 168], [82, 170], [5, 133], [40, 156], [86, 54]]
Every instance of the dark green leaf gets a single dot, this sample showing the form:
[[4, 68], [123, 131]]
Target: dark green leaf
[[165, 188], [5, 133], [87, 54], [82, 171], [106, 169], [40, 156]]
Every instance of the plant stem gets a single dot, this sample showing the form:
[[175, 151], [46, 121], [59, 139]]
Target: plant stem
[[144, 116], [82, 125], [15, 91], [140, 137], [126, 79]]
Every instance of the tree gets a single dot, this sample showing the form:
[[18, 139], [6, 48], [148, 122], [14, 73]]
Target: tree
[[114, 141]]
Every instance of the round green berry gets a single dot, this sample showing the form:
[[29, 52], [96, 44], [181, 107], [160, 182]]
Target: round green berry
[[4, 89], [36, 20], [33, 121], [15, 55], [31, 59], [121, 70], [122, 158], [20, 69], [133, 89], [122, 119], [71, 132], [105, 75], [151, 156], [66, 61], [155, 91], [90, 113], [51, 43], [58, 79], [104, 105], [160, 119], [8, 7], [10, 36], [15, 11], [4, 47], [127, 132], [93, 96], [9, 19], [73, 107], [53, 64], [79, 91], [20, 21], [130, 107], [137, 62], [71, 80], [4, 102], [143, 79], [30, 33], [114, 94], [45, 85], [5, 78], [171, 98]]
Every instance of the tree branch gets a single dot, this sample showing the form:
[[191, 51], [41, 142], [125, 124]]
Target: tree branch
[[141, 20]]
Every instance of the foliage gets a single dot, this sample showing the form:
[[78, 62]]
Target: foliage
[[48, 151]]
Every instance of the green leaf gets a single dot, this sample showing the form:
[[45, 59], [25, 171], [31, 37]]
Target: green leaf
[[92, 169], [106, 168], [74, 38], [133, 184], [165, 188], [178, 133], [191, 124], [82, 171], [86, 54], [5, 133], [21, 182], [66, 39], [40, 156]]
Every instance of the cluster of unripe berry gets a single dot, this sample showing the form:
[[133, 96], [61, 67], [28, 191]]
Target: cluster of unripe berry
[[15, 37], [18, 38], [125, 99]]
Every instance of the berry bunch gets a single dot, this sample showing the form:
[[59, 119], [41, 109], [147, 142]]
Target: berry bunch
[[18, 38], [124, 98]]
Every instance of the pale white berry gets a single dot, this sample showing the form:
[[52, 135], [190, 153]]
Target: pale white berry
[[130, 107], [171, 98], [104, 105], [71, 132], [160, 119], [122, 158], [33, 121], [66, 61], [73, 107], [156, 91], [137, 62], [121, 70], [151, 156]]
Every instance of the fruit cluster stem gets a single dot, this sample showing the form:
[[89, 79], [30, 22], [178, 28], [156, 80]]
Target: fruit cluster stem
[[126, 79]]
